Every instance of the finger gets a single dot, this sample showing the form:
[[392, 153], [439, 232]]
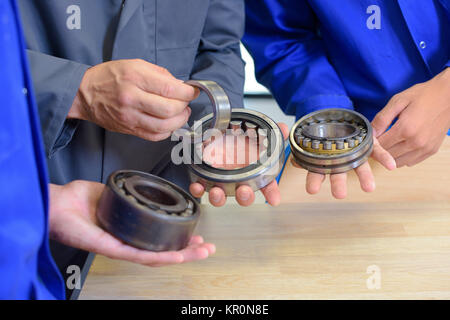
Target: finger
[[144, 134], [196, 189], [245, 195], [391, 137], [366, 179], [158, 126], [158, 106], [384, 118], [338, 185], [314, 182], [217, 197], [194, 252], [272, 193], [400, 149], [115, 249], [411, 158], [383, 156], [196, 240], [284, 129], [165, 85]]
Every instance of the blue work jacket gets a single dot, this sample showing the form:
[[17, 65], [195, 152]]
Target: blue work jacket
[[315, 54], [27, 270]]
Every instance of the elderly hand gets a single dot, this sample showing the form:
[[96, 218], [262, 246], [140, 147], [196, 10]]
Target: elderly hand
[[73, 222], [244, 194], [133, 97], [423, 120]]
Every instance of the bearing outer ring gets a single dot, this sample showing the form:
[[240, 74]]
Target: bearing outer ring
[[257, 175], [147, 212], [332, 163], [219, 100]]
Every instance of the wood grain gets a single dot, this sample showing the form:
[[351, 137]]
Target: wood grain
[[427, 181], [299, 251]]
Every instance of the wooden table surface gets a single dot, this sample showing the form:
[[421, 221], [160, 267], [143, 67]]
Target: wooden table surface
[[311, 246]]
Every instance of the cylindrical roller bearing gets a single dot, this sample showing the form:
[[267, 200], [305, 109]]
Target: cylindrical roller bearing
[[147, 212], [257, 175], [331, 140]]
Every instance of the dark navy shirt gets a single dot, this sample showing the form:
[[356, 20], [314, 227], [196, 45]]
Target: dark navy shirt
[[315, 54], [27, 270]]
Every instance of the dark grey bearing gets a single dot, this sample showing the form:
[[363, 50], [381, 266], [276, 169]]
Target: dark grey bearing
[[147, 212]]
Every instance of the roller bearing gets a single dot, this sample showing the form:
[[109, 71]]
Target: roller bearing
[[147, 212], [331, 140], [254, 125]]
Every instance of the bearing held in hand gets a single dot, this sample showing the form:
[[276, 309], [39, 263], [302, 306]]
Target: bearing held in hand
[[331, 140], [147, 212], [256, 171]]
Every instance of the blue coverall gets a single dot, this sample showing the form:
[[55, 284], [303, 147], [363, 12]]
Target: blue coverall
[[27, 270]]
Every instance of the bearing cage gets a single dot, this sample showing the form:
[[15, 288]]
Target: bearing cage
[[256, 175], [326, 153]]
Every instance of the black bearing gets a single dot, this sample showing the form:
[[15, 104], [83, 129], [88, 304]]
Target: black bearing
[[147, 212]]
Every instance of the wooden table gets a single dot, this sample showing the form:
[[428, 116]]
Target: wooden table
[[426, 181], [312, 246]]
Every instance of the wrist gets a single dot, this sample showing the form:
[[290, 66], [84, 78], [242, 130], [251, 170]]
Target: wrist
[[79, 107]]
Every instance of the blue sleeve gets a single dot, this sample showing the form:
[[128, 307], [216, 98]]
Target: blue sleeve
[[290, 60]]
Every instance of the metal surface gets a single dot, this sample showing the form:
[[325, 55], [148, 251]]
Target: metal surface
[[147, 212], [256, 175], [219, 100], [331, 140]]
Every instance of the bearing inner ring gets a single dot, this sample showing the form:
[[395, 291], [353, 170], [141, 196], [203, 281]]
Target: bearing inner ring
[[331, 140]]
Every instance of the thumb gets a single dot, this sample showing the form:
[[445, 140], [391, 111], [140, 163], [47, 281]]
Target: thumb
[[284, 129], [384, 118]]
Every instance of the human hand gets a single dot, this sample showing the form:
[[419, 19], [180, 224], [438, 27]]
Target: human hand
[[423, 113], [133, 97], [339, 181], [73, 222], [244, 194]]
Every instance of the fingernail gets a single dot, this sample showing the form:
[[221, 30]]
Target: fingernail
[[244, 196], [215, 197], [393, 165]]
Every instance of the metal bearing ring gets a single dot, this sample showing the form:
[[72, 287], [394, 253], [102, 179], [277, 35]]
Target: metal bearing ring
[[331, 140], [256, 175], [147, 212], [219, 100]]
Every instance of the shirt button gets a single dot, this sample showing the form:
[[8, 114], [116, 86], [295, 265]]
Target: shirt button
[[25, 91], [422, 44]]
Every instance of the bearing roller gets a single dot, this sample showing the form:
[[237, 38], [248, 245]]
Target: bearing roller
[[331, 140], [254, 125], [147, 212]]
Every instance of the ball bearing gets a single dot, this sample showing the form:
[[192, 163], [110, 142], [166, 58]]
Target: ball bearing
[[147, 212], [331, 140]]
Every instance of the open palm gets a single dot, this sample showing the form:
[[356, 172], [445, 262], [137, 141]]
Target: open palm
[[73, 222]]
